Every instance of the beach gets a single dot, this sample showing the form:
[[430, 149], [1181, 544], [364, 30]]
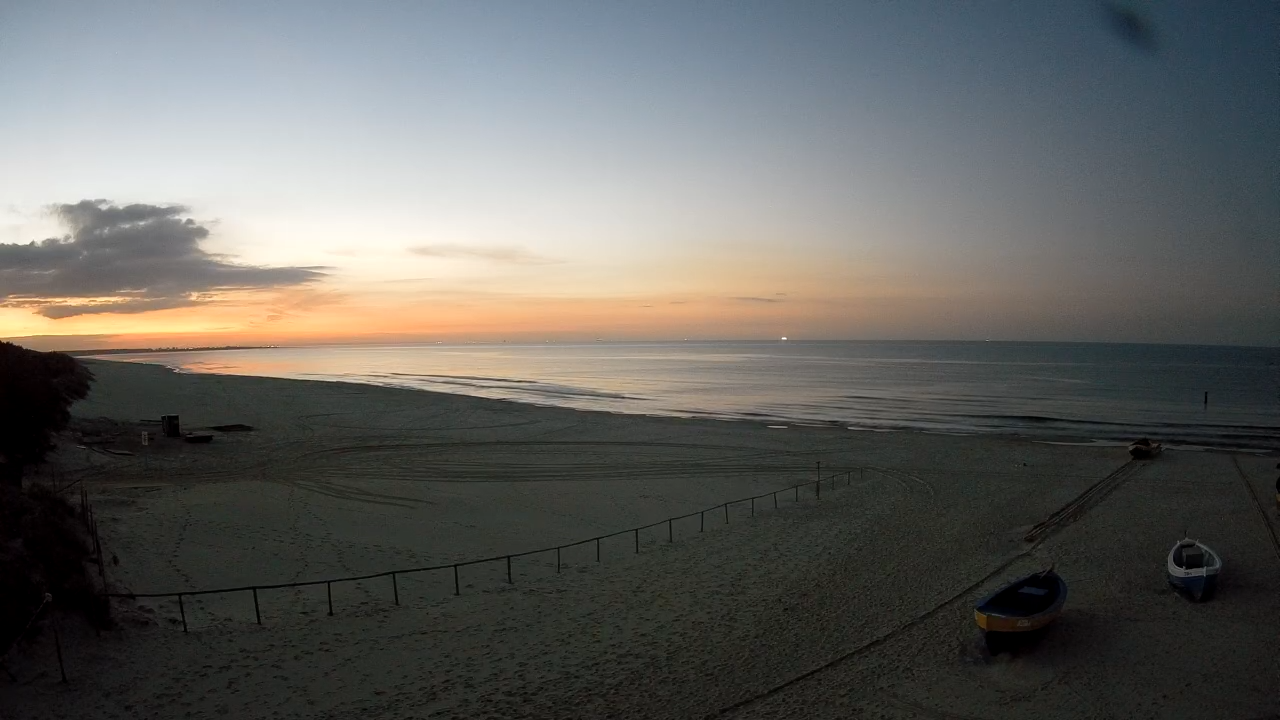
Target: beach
[[857, 602]]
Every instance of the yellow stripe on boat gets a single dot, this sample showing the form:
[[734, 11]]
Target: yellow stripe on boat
[[997, 623]]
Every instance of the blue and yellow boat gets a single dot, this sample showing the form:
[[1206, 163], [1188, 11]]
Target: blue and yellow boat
[[1023, 605]]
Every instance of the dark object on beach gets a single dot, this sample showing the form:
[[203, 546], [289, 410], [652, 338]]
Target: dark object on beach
[[113, 451], [199, 437], [234, 427], [1024, 605], [169, 426], [1193, 569], [1144, 448]]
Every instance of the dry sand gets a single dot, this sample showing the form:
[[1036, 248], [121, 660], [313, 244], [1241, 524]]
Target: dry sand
[[855, 605]]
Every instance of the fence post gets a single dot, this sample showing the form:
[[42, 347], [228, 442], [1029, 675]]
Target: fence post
[[395, 586], [597, 549], [557, 559], [509, 580], [256, 612], [57, 644], [183, 611], [457, 588], [328, 587], [702, 520], [637, 541], [726, 513], [102, 565], [670, 535], [753, 507], [797, 493]]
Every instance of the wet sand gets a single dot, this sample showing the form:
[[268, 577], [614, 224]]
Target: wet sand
[[855, 604]]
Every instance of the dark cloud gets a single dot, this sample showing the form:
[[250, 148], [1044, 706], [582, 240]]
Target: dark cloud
[[508, 254], [756, 299], [127, 259]]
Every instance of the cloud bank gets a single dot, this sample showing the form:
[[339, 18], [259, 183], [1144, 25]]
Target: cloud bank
[[127, 259]]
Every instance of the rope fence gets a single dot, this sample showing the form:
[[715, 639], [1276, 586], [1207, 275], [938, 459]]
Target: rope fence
[[847, 476]]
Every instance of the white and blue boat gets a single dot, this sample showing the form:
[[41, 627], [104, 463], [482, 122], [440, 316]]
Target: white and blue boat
[[1193, 568]]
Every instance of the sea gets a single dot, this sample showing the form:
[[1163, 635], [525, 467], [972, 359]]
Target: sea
[[1058, 392]]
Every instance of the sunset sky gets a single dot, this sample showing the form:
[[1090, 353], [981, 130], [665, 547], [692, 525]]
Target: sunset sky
[[221, 173]]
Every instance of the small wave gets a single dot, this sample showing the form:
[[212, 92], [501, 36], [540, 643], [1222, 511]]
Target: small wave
[[478, 378]]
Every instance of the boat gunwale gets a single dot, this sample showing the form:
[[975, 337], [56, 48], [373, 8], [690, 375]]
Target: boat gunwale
[[1038, 619], [1177, 571]]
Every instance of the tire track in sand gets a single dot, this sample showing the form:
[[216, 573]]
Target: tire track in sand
[[1075, 508]]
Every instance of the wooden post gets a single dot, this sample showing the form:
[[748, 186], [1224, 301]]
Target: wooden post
[[557, 559], [797, 493], [817, 489], [637, 541], [328, 587], [702, 520], [93, 533], [395, 586], [753, 507], [57, 644], [183, 611], [256, 612], [102, 565], [597, 549], [670, 534], [726, 513], [457, 587], [775, 499], [1206, 398], [510, 581]]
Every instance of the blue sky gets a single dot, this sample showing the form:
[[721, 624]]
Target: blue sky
[[932, 170]]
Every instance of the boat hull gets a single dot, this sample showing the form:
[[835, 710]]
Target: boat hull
[[1198, 587], [1198, 583], [993, 616], [992, 622]]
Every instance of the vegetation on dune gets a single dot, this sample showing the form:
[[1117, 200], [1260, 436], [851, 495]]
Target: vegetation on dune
[[43, 544], [37, 390], [43, 549]]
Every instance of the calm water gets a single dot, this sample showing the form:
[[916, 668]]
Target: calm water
[[1042, 390]]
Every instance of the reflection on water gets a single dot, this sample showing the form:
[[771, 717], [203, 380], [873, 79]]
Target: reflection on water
[[1047, 390]]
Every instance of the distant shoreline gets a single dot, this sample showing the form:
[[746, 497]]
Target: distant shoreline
[[138, 351]]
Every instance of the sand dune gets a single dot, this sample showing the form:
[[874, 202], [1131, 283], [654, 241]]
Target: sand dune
[[858, 604]]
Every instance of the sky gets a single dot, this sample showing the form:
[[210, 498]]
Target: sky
[[299, 172]]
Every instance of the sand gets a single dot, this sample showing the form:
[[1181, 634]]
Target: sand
[[858, 604]]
